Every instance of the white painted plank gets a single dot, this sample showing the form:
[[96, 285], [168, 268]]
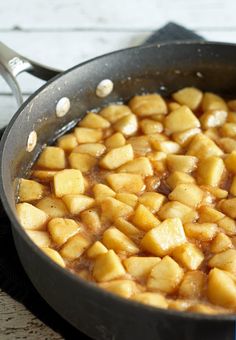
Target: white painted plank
[[65, 49], [53, 14]]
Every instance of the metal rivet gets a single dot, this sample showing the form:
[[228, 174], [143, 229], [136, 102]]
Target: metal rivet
[[32, 141], [63, 106], [104, 88]]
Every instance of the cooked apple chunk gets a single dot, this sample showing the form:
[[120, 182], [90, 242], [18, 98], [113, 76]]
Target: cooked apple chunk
[[115, 141], [164, 238], [202, 146], [102, 191], [75, 247], [209, 214], [97, 248], [124, 288], [183, 138], [187, 193], [94, 121], [150, 126], [228, 225], [114, 112], [91, 219], [61, 229], [233, 187], [124, 182], [117, 157], [69, 181], [43, 175], [31, 217], [189, 96], [128, 228], [140, 267], [176, 209], [225, 260], [178, 177], [78, 203], [114, 239], [221, 243], [54, 255], [152, 200], [213, 118], [148, 105], [166, 146], [193, 285], [181, 163], [228, 130], [113, 209], [228, 206], [141, 166], [52, 157], [201, 231], [221, 289], [127, 125], [211, 101], [82, 162], [180, 120], [152, 299], [30, 190], [40, 238], [188, 255], [130, 199], [144, 219], [52, 206], [210, 171], [67, 142], [108, 267], [230, 162], [140, 144], [87, 135], [92, 149], [165, 276]]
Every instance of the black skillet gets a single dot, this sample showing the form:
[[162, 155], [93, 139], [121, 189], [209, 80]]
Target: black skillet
[[164, 68]]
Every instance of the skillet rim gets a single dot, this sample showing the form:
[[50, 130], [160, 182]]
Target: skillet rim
[[82, 283]]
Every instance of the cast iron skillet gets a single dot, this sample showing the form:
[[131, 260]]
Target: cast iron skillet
[[160, 67]]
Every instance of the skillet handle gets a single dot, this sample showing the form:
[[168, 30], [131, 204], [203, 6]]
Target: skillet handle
[[12, 64]]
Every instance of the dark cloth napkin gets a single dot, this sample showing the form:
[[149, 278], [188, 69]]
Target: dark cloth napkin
[[13, 279]]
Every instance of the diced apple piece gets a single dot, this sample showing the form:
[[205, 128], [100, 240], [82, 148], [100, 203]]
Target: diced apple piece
[[44, 175], [40, 238], [124, 288], [52, 206], [203, 308], [91, 219], [113, 209], [210, 171], [228, 130], [152, 200], [179, 304], [225, 260], [221, 289], [140, 267], [221, 243], [67, 142], [141, 166], [227, 144], [75, 247], [148, 105], [165, 276], [52, 157], [213, 102], [87, 135], [201, 231], [180, 120], [152, 299], [228, 206], [166, 146], [54, 255], [96, 249], [187, 193], [140, 145], [213, 118], [228, 225], [127, 125], [212, 133], [173, 106], [115, 141], [30, 190], [215, 191], [163, 239], [31, 217], [117, 157], [94, 121], [127, 198], [181, 163], [178, 177], [232, 189], [232, 105], [193, 285], [230, 162], [82, 162], [128, 228], [114, 112], [114, 239], [78, 203], [108, 267], [61, 229], [202, 146], [231, 117], [144, 219], [69, 181], [176, 209], [183, 138], [150, 126], [92, 149], [209, 214], [189, 96], [124, 182], [188, 255], [102, 191]]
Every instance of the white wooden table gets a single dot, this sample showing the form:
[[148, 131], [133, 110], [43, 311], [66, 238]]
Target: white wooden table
[[62, 33]]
